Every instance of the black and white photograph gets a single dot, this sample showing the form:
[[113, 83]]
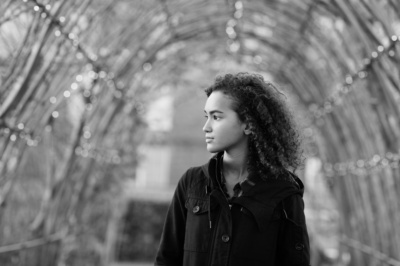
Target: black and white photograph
[[199, 133]]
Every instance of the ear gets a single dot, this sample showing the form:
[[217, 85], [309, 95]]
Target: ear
[[247, 130]]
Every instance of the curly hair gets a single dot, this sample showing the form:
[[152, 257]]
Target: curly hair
[[274, 142]]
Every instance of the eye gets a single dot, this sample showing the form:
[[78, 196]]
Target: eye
[[206, 116], [216, 117]]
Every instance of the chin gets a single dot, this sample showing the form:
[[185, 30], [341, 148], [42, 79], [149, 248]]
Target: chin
[[213, 149]]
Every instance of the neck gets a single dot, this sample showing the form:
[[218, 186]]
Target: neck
[[235, 165]]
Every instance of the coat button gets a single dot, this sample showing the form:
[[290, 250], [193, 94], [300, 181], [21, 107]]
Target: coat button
[[196, 209], [299, 246], [225, 238]]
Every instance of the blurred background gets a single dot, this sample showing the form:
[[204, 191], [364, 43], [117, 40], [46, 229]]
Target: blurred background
[[101, 111]]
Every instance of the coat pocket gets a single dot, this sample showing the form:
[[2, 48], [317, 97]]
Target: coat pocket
[[197, 232]]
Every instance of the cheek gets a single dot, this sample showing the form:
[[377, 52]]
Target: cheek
[[234, 132], [237, 126], [229, 128]]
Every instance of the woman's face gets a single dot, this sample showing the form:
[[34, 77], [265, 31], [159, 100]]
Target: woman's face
[[224, 130]]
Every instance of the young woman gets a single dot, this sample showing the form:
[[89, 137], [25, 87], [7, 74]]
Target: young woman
[[244, 207]]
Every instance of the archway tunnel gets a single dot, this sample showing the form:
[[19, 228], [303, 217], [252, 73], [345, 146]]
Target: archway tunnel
[[78, 77]]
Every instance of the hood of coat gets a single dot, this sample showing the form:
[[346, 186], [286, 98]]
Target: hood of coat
[[262, 199]]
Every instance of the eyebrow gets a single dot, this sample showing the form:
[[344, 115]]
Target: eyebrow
[[214, 111]]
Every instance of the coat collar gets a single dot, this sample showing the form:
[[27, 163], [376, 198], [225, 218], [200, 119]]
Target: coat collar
[[265, 196], [274, 185], [262, 198]]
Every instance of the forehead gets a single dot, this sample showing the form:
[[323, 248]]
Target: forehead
[[218, 101]]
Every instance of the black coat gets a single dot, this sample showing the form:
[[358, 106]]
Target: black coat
[[264, 226]]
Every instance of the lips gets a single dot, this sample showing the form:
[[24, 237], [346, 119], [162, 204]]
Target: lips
[[209, 139]]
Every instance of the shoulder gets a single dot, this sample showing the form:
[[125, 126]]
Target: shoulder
[[193, 177]]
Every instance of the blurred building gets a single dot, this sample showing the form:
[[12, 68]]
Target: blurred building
[[174, 143]]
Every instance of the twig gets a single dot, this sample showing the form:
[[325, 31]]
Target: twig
[[35, 242]]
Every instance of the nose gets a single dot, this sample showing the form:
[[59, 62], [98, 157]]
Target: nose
[[207, 127]]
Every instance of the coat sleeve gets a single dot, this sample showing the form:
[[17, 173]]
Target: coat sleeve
[[293, 243], [170, 251]]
